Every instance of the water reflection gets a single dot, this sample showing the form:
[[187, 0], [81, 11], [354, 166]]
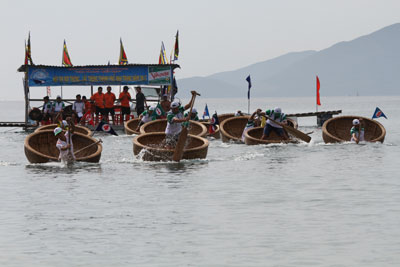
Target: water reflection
[[62, 168]]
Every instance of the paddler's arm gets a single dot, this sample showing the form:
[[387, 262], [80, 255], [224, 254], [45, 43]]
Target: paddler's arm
[[71, 125], [190, 103]]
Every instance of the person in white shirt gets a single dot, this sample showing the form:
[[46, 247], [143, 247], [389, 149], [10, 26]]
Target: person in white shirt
[[64, 142], [79, 108]]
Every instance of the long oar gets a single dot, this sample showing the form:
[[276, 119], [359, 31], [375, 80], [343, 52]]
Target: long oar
[[293, 131], [183, 136], [80, 150]]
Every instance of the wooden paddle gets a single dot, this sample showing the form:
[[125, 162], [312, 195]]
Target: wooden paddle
[[293, 131], [183, 135], [80, 150]]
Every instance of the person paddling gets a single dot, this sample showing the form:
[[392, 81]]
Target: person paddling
[[64, 142], [277, 115], [146, 116], [357, 131], [252, 122], [175, 118]]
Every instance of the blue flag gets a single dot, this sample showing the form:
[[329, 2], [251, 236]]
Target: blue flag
[[206, 113], [378, 113], [249, 81], [105, 127]]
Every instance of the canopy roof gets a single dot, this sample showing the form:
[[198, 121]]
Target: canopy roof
[[131, 74]]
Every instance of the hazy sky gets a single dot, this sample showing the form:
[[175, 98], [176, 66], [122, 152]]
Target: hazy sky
[[214, 35]]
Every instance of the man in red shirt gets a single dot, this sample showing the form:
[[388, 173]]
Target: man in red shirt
[[125, 99], [99, 101], [109, 104]]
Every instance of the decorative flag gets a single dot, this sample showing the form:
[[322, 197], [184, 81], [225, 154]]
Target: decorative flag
[[176, 47], [206, 113], [105, 127], [162, 59], [378, 113], [159, 111], [66, 61], [88, 117], [123, 60], [213, 124], [318, 86], [174, 89], [28, 55], [48, 91], [249, 81]]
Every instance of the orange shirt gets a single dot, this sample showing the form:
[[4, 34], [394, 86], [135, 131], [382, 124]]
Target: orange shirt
[[110, 99], [124, 98], [98, 99], [87, 106]]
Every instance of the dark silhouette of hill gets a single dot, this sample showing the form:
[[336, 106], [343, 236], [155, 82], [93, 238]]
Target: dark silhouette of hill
[[368, 65]]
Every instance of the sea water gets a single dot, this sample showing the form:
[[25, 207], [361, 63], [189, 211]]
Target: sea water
[[266, 205]]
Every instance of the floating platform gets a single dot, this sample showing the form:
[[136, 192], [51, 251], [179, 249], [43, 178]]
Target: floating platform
[[322, 116]]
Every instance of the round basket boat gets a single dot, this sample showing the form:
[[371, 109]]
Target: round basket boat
[[232, 128], [40, 147], [253, 137], [131, 125], [152, 144], [225, 116], [337, 129], [158, 126], [78, 129], [216, 134]]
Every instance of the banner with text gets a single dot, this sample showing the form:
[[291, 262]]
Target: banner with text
[[100, 75]]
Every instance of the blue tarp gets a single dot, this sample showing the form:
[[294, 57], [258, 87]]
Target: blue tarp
[[100, 75]]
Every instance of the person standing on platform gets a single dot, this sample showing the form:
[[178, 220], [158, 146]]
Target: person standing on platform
[[109, 104], [99, 101], [140, 100], [79, 108], [58, 107], [47, 109], [125, 98]]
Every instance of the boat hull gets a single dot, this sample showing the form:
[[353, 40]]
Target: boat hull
[[131, 125], [158, 126], [40, 147], [150, 145], [216, 134], [337, 129], [253, 137], [78, 129], [232, 128]]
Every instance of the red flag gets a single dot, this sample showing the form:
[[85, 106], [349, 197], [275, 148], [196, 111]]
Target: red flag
[[318, 86], [88, 117], [66, 61]]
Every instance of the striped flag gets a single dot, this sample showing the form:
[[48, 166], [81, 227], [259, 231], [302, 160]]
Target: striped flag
[[28, 55], [176, 47], [162, 59], [123, 60], [66, 61]]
